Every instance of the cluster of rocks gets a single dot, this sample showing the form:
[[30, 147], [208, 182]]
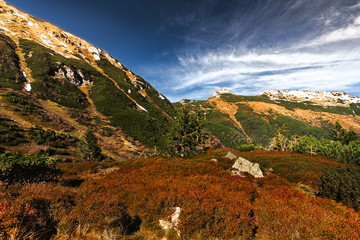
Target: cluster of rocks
[[242, 166]]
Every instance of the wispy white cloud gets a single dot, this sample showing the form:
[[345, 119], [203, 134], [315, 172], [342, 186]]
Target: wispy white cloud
[[349, 32], [325, 59]]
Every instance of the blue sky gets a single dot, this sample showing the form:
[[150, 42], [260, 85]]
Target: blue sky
[[189, 49]]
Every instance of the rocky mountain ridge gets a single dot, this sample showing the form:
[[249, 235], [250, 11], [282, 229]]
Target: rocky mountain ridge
[[19, 25], [322, 98], [333, 98], [53, 79], [221, 91], [241, 120]]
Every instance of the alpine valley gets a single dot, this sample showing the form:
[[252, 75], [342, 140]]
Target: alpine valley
[[90, 150]]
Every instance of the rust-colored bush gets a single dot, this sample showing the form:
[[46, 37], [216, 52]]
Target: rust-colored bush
[[286, 213], [133, 196], [211, 200]]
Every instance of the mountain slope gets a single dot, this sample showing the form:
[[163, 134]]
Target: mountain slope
[[237, 120], [73, 85]]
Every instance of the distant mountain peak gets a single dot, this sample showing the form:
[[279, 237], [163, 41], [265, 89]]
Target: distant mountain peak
[[333, 98], [55, 70], [221, 91], [17, 24]]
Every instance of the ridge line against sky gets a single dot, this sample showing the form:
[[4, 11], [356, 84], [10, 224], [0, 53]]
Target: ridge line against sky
[[188, 49]]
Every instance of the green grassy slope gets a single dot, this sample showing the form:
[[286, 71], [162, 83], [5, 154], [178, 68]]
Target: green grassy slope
[[110, 99], [262, 127], [11, 76]]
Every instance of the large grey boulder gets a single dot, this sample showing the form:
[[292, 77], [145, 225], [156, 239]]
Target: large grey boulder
[[242, 165], [231, 156]]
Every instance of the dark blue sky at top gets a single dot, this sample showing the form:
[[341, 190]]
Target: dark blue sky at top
[[133, 31], [188, 49]]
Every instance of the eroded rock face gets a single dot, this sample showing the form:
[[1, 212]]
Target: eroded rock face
[[174, 221], [242, 165]]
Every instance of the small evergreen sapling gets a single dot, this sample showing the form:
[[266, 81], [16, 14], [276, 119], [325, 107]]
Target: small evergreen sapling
[[88, 148], [186, 137]]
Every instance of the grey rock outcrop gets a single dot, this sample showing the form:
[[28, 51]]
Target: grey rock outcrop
[[242, 165], [231, 156]]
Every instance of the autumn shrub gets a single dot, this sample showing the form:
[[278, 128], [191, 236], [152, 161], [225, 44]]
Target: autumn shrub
[[295, 167], [211, 200], [286, 213], [25, 218], [35, 211], [128, 201]]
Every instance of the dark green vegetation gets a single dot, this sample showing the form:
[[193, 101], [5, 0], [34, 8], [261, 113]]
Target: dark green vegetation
[[57, 143], [343, 147], [11, 134], [342, 185], [345, 137], [24, 169], [254, 125], [51, 73], [228, 136], [11, 76], [261, 128], [224, 129], [25, 103], [46, 141], [148, 126], [44, 64], [289, 127], [88, 148], [262, 123], [186, 137]]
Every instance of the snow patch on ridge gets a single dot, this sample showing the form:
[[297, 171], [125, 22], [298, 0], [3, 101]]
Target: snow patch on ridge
[[221, 91], [333, 98], [28, 87], [161, 97], [95, 52], [46, 41], [142, 108]]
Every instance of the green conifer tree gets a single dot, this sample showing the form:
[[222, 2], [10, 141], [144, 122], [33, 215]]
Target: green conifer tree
[[186, 137], [88, 148]]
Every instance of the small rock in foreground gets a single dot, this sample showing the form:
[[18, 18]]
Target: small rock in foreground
[[242, 165], [231, 156]]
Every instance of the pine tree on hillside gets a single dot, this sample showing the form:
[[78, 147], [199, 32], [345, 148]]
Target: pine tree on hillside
[[343, 136], [186, 137], [88, 148]]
